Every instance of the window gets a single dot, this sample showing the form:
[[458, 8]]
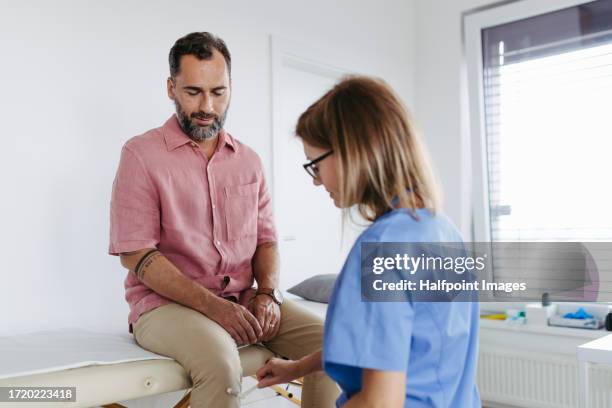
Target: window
[[540, 85]]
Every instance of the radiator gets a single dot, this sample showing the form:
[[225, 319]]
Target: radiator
[[531, 380]]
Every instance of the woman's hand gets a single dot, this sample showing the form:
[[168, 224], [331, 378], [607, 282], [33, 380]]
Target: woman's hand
[[278, 371]]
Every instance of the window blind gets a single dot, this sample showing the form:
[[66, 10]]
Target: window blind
[[548, 128], [548, 122]]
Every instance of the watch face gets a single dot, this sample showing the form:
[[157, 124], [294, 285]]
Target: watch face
[[278, 295]]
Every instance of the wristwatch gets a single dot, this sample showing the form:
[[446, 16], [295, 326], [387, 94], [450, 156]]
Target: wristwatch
[[274, 293]]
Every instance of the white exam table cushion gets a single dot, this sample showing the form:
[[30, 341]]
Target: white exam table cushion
[[57, 350], [104, 368], [319, 309]]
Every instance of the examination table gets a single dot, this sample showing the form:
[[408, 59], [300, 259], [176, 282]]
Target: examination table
[[104, 368]]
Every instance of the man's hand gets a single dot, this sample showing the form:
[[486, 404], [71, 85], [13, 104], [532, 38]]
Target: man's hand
[[236, 320], [268, 315]]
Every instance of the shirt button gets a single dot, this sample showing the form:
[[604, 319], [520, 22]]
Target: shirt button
[[214, 206], [218, 242]]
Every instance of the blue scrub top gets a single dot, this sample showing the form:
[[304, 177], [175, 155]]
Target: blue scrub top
[[435, 343]]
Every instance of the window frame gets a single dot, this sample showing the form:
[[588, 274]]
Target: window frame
[[473, 24], [473, 90]]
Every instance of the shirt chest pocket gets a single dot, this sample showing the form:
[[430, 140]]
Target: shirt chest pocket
[[241, 208]]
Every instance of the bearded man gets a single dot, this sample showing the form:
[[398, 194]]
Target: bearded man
[[191, 219]]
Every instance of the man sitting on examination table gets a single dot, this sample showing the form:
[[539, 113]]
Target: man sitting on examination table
[[191, 217]]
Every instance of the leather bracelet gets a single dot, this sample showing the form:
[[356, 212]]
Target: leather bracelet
[[139, 264]]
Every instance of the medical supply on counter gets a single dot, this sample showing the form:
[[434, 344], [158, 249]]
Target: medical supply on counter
[[579, 319], [515, 317], [538, 315]]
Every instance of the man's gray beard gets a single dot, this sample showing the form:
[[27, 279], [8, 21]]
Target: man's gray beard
[[197, 133]]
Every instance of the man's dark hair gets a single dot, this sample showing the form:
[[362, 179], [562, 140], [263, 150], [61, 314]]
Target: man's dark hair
[[201, 46]]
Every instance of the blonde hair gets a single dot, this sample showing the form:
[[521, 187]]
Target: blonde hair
[[380, 156]]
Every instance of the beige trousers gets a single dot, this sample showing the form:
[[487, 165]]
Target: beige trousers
[[210, 356]]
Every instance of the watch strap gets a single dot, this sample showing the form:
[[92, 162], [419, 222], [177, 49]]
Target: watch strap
[[268, 292]]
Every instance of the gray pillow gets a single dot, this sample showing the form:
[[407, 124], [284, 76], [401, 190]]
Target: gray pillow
[[318, 288]]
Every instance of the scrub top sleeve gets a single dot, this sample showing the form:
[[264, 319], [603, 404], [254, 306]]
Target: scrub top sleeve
[[374, 335]]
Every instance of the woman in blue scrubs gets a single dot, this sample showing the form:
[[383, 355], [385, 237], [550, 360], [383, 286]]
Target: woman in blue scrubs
[[364, 150]]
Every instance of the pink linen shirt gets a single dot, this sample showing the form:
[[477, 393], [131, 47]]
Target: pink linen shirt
[[206, 216]]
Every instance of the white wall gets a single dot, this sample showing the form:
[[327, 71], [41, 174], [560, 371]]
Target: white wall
[[78, 78], [441, 109]]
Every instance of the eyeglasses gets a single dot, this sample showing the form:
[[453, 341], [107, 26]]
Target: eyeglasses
[[312, 168]]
